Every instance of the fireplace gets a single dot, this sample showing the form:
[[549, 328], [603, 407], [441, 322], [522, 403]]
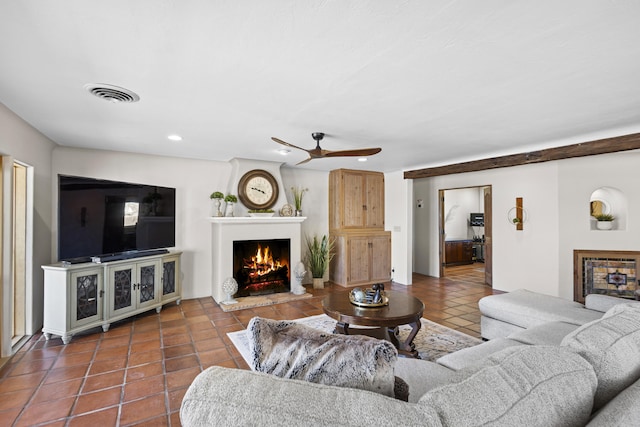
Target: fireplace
[[227, 230], [261, 266]]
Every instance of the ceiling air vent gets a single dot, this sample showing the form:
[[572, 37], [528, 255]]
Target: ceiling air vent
[[111, 93]]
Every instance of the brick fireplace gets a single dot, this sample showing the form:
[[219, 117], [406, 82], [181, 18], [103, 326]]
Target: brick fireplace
[[254, 231]]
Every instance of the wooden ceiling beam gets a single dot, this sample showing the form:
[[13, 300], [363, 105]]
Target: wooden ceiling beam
[[591, 148]]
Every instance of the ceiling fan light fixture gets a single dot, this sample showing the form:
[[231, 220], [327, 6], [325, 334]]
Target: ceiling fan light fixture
[[174, 137], [362, 159], [284, 151]]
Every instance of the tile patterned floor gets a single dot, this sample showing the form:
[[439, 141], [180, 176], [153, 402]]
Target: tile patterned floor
[[138, 371]]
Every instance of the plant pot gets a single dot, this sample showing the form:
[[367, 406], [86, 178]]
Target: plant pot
[[318, 283], [604, 225], [215, 211]]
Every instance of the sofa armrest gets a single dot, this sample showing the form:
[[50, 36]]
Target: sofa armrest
[[603, 303], [223, 396]]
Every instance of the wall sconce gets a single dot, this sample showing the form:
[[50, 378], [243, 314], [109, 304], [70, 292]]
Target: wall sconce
[[517, 215]]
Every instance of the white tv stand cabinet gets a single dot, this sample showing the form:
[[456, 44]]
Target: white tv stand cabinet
[[78, 297]]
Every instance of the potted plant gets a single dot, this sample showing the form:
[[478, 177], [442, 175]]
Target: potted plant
[[605, 221], [319, 255], [217, 197], [298, 193], [229, 199]]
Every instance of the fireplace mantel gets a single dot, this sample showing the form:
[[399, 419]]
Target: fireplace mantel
[[226, 230], [257, 219]]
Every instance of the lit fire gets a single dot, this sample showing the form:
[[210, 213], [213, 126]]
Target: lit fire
[[262, 263]]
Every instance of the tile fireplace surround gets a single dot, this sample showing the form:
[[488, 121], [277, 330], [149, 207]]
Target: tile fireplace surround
[[226, 230]]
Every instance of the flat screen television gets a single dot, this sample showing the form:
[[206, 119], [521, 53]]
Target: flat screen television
[[98, 217]]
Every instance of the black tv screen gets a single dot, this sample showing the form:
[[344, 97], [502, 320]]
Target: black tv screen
[[101, 217], [476, 219]]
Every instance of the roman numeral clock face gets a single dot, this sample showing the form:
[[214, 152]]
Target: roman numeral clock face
[[258, 189]]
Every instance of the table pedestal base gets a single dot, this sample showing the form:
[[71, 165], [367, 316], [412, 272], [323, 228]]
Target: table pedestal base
[[405, 348]]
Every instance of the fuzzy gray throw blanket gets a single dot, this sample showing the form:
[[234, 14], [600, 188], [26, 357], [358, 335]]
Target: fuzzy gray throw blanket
[[291, 350]]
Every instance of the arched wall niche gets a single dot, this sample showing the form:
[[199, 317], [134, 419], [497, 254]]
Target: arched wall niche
[[608, 200]]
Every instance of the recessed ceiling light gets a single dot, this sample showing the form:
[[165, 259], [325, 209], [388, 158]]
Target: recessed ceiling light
[[362, 159], [284, 151], [175, 137]]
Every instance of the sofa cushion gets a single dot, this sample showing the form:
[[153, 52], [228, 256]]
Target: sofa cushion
[[476, 354], [292, 350], [527, 309], [612, 346], [623, 410], [603, 303], [521, 385], [550, 333], [422, 375], [222, 396]]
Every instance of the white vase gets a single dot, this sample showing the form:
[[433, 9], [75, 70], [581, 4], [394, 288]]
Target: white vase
[[215, 209], [604, 225], [229, 209]]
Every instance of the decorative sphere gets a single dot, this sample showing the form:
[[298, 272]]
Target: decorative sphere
[[230, 286], [357, 294]]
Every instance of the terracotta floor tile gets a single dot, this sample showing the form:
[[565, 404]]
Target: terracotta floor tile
[[9, 416], [173, 340], [96, 400], [79, 347], [175, 398], [108, 365], [66, 374], [112, 353], [213, 357], [46, 411], [181, 378], [177, 351], [21, 382], [73, 359], [31, 366], [14, 399], [145, 357], [180, 363], [209, 344], [144, 409], [57, 390], [143, 388], [144, 371], [118, 341], [102, 381], [141, 347], [106, 417]]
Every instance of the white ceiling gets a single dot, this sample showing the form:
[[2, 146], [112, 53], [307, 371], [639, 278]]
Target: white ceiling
[[431, 82]]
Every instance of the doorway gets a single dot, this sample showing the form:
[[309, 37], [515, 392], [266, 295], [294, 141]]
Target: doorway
[[464, 228]]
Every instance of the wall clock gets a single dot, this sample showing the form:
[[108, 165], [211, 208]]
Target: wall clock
[[258, 189]]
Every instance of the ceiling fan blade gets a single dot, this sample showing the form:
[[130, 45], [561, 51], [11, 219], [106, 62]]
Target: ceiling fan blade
[[353, 153], [279, 141], [304, 161]]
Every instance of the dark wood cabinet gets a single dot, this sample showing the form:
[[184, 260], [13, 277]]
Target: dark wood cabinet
[[458, 252]]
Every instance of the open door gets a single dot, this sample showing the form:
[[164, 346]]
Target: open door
[[441, 235], [488, 257]]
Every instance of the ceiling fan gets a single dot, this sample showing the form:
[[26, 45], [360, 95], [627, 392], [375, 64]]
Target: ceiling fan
[[318, 153]]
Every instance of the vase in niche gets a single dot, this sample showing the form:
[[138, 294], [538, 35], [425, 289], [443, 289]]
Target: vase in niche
[[298, 212]]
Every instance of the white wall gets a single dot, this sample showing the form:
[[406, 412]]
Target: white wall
[[399, 220], [578, 179], [521, 259], [194, 181], [25, 144]]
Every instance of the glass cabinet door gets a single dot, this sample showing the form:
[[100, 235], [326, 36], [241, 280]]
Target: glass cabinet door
[[86, 297], [168, 277], [121, 289], [147, 275]]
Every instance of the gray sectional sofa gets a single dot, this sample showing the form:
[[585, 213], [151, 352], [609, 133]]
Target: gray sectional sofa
[[541, 373]]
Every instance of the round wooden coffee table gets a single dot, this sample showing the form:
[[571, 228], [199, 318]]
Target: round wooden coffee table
[[403, 309]]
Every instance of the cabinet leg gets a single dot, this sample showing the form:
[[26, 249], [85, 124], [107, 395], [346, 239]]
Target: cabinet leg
[[66, 339], [105, 327], [178, 301], [47, 336], [158, 309]]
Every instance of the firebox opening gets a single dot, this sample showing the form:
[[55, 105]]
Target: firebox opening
[[261, 266]]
